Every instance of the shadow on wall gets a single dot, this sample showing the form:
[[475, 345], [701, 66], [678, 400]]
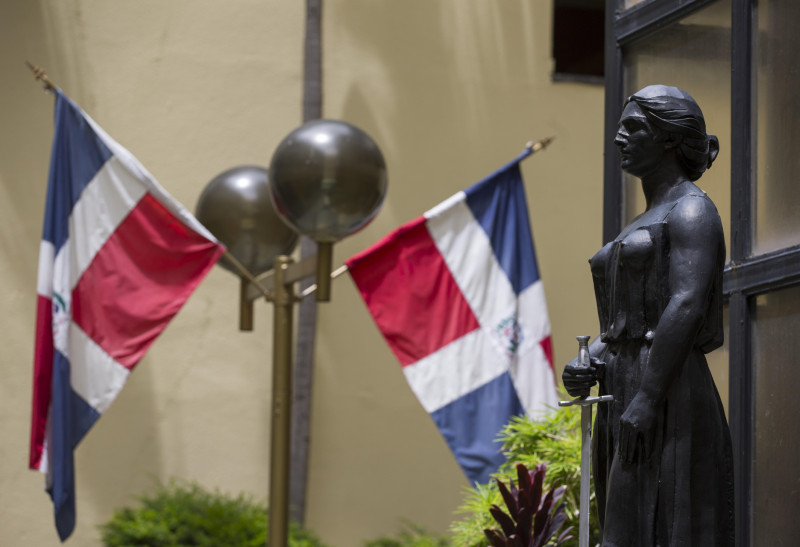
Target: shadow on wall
[[439, 85], [426, 72], [28, 33], [121, 457], [49, 35]]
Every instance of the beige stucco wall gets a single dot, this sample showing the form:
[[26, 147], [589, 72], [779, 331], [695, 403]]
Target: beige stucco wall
[[449, 89]]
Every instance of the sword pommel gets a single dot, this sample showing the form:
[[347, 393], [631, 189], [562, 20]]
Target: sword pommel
[[584, 359]]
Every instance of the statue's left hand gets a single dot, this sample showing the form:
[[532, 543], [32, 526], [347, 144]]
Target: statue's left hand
[[637, 430]]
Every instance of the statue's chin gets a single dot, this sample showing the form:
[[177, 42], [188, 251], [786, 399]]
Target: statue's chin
[[635, 169]]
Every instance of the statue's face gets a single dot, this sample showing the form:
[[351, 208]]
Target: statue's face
[[639, 149]]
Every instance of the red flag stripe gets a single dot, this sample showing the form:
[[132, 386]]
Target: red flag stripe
[[130, 291], [42, 378], [547, 348], [432, 312]]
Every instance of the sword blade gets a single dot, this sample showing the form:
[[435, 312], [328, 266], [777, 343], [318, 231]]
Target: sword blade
[[586, 448], [586, 459]]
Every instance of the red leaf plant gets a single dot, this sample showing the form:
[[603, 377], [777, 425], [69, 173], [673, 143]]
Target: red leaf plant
[[532, 519]]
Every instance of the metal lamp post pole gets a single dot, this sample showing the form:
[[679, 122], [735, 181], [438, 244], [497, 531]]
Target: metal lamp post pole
[[283, 303], [314, 175], [283, 299]]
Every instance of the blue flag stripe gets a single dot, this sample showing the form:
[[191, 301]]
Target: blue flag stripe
[[498, 204], [78, 154], [74, 417], [470, 421]]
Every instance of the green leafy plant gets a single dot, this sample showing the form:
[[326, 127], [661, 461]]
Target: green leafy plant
[[532, 518], [554, 440], [411, 536], [186, 514]]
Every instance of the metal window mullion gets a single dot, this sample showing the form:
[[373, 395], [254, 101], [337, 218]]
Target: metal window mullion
[[764, 273], [612, 174], [742, 127], [742, 373], [639, 21], [741, 412]]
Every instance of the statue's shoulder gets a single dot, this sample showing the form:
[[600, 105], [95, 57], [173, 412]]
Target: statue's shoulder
[[694, 214], [693, 202]]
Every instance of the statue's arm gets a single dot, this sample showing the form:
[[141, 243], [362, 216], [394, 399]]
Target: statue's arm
[[695, 235]]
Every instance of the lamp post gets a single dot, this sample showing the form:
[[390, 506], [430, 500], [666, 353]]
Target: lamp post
[[327, 180]]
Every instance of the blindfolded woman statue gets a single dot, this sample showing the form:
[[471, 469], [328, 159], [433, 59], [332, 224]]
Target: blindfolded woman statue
[[662, 457]]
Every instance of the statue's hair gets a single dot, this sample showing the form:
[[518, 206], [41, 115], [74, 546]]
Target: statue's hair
[[674, 111]]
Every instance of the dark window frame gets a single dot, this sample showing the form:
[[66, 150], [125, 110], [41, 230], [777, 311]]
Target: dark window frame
[[746, 276]]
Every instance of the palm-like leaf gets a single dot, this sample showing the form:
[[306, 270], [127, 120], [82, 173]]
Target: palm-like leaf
[[509, 496], [535, 493], [532, 520], [495, 538], [505, 522]]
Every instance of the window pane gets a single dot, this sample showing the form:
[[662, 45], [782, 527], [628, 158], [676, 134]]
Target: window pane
[[776, 475], [778, 165], [694, 55]]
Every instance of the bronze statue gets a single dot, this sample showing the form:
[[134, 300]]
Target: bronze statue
[[661, 456]]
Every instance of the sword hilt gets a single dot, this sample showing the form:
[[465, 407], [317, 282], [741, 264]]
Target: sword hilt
[[584, 359], [587, 401]]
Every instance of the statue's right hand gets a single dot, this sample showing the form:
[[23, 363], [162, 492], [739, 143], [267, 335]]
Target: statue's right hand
[[578, 380]]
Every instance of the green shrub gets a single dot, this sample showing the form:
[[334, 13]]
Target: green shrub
[[186, 514], [411, 536], [554, 441]]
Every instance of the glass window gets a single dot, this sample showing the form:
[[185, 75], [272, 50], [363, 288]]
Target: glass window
[[778, 127], [776, 475], [694, 55]]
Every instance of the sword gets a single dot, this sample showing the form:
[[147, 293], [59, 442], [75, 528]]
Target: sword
[[586, 441]]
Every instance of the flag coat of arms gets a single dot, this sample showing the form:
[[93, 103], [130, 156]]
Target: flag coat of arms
[[118, 259], [456, 294]]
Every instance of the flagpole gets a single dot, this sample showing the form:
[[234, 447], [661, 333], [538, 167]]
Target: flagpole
[[246, 274], [41, 75], [538, 145]]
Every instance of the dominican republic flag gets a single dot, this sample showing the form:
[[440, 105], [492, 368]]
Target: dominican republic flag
[[119, 257], [457, 295]]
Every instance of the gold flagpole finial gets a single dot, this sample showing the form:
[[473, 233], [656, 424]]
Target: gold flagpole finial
[[536, 146], [41, 75]]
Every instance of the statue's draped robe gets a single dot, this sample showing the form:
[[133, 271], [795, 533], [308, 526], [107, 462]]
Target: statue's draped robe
[[682, 496]]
